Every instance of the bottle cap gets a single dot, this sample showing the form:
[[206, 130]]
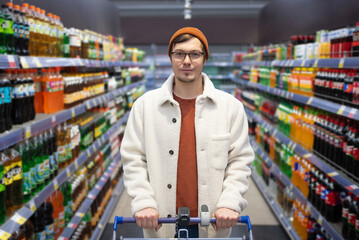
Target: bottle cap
[[9, 4], [17, 7], [25, 5]]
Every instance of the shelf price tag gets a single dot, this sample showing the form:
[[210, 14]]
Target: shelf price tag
[[88, 153], [53, 121], [37, 62], [28, 132], [98, 187], [24, 62], [4, 235], [91, 196], [32, 205], [341, 63], [291, 63], [100, 225], [76, 165], [332, 174], [294, 146], [303, 63], [309, 100], [94, 147], [11, 60], [73, 112], [352, 113], [341, 110], [320, 220], [56, 185], [68, 173], [80, 214], [88, 105], [18, 219], [307, 155], [315, 63], [72, 225]]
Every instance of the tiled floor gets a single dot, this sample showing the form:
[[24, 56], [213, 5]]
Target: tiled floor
[[265, 225]]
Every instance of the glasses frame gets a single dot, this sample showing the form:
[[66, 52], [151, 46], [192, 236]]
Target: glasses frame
[[189, 55]]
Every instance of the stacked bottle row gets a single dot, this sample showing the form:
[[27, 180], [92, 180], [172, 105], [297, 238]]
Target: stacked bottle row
[[322, 192], [337, 43]]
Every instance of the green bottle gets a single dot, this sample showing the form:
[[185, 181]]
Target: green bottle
[[39, 175], [66, 44], [2, 34], [45, 157], [8, 27], [2, 193], [31, 151], [26, 171]]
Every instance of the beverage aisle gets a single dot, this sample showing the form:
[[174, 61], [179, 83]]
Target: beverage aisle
[[265, 224]]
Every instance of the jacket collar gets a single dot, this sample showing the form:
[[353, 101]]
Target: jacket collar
[[167, 87]]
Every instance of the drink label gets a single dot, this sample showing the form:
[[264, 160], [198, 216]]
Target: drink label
[[56, 158], [351, 218], [345, 213], [7, 94], [37, 86], [68, 151], [16, 171], [8, 175], [40, 235], [318, 189], [338, 141], [27, 183], [50, 231], [357, 225], [46, 168], [61, 219], [323, 194], [33, 177], [2, 182], [40, 173], [350, 150], [62, 155], [332, 198]]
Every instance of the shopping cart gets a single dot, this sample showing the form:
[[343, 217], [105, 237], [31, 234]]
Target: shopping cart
[[204, 220]]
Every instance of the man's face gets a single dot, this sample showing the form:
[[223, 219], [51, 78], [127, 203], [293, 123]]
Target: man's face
[[188, 70]]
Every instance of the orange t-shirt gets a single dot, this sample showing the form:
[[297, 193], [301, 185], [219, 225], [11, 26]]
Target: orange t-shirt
[[187, 189]]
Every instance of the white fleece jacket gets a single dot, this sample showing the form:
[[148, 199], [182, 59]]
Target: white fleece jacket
[[223, 153]]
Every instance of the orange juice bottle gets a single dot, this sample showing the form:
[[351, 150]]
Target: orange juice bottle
[[39, 95], [295, 166]]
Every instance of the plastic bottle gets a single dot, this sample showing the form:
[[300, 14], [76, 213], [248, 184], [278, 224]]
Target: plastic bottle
[[26, 183], [355, 45], [66, 43], [345, 215], [49, 221], [59, 212], [353, 209], [29, 14], [16, 113], [7, 100], [31, 97], [29, 230], [18, 28], [45, 157], [332, 202], [31, 149], [2, 107], [8, 182], [350, 150], [25, 32], [2, 191], [39, 36], [38, 145], [16, 165], [9, 21], [37, 220], [54, 155]]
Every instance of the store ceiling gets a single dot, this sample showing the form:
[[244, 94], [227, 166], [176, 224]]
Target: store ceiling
[[199, 8]]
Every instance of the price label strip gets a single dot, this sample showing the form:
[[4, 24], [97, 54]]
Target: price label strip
[[28, 132], [32, 206], [309, 100], [88, 153], [24, 62], [80, 214], [341, 63], [341, 110], [352, 113], [332, 174], [320, 220], [91, 196], [68, 173], [73, 112], [307, 155], [72, 225], [315, 63], [303, 63], [56, 185], [37, 62], [4, 235], [11, 60], [18, 219], [53, 120]]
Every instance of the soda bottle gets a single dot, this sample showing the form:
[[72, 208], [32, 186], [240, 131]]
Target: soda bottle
[[2, 108], [16, 113], [45, 157], [323, 195], [16, 167], [7, 101], [8, 182], [350, 150], [54, 156], [39, 175], [38, 221], [353, 209], [19, 234], [355, 45], [347, 133], [25, 33], [25, 157], [29, 94], [338, 143], [357, 225], [59, 212], [345, 215], [30, 148], [17, 28], [30, 24], [8, 28], [332, 202], [2, 192], [318, 192], [49, 221], [29, 230], [61, 146]]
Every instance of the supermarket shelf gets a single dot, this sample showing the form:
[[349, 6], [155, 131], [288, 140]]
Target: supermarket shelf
[[352, 62], [208, 64], [44, 62], [298, 194], [221, 77], [328, 170], [44, 122], [86, 204], [108, 211], [11, 225], [9, 62], [332, 107], [275, 207]]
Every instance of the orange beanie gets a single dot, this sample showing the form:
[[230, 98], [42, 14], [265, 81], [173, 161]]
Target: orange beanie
[[193, 31]]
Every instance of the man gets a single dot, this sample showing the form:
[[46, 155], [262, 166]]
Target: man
[[186, 144]]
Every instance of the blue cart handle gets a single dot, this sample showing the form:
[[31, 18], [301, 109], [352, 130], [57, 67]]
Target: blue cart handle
[[122, 220]]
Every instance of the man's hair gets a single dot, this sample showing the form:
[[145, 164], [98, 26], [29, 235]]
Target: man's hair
[[184, 38]]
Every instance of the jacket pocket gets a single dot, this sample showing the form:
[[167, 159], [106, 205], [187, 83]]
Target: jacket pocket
[[218, 150]]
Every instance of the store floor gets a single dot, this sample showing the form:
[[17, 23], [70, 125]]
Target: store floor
[[264, 223]]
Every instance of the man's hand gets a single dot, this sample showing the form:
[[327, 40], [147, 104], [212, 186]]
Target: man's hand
[[225, 218], [148, 218]]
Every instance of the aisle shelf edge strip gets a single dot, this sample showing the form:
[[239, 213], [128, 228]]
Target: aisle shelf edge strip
[[278, 173]]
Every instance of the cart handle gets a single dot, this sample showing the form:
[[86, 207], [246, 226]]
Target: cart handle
[[122, 220]]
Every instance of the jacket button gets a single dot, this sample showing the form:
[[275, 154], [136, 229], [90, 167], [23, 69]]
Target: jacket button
[[169, 186], [171, 152], [169, 215], [174, 120]]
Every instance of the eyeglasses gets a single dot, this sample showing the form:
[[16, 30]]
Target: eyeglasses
[[194, 56]]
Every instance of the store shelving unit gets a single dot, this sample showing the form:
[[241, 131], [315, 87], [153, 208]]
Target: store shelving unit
[[20, 217], [341, 110], [108, 211], [86, 204], [343, 181], [298, 194]]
